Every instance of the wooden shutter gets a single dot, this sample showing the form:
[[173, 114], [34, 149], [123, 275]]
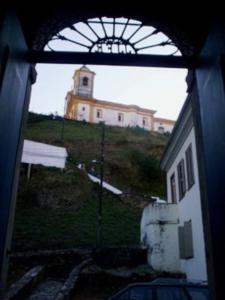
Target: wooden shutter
[[189, 253], [181, 241]]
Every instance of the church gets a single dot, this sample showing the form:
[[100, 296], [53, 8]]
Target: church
[[82, 106]]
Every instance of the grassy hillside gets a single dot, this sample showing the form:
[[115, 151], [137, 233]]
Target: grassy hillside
[[58, 209]]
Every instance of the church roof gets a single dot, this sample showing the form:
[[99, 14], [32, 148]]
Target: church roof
[[84, 68]]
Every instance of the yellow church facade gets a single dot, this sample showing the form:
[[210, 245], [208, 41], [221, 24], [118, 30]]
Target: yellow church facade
[[82, 106]]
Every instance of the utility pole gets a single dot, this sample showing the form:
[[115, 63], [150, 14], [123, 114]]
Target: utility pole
[[99, 225], [63, 122], [62, 130]]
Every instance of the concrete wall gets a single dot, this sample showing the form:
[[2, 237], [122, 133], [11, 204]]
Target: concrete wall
[[159, 233], [189, 208]]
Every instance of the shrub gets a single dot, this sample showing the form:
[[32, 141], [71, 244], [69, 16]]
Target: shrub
[[147, 164]]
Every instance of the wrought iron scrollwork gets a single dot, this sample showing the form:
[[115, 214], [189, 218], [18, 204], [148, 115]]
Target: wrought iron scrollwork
[[113, 35]]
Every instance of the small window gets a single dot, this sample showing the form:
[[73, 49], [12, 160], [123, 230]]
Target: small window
[[181, 179], [161, 129], [120, 117], [83, 108], [85, 81], [173, 188], [99, 113], [144, 121], [189, 164]]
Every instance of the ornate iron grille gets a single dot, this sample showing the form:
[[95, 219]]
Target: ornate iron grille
[[112, 35]]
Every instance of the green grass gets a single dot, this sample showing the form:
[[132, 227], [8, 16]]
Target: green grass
[[63, 228], [58, 210], [127, 150]]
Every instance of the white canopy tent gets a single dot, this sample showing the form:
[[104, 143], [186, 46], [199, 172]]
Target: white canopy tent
[[44, 154]]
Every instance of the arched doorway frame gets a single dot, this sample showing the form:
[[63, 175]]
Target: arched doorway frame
[[214, 48]]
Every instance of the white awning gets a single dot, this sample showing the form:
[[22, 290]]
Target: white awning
[[44, 154]]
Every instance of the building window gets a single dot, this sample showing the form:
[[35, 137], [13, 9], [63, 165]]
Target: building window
[[120, 117], [173, 188], [99, 113], [161, 129], [83, 108], [144, 121], [189, 165], [186, 240], [181, 179], [85, 81]]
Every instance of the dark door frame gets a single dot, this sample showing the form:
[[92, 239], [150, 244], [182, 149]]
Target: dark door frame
[[205, 124]]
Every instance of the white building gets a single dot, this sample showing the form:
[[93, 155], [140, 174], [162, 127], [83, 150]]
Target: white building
[[187, 252], [81, 105]]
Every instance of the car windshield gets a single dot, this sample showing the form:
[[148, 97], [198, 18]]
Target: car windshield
[[198, 293]]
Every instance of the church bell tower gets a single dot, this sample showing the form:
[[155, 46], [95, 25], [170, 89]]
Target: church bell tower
[[83, 82]]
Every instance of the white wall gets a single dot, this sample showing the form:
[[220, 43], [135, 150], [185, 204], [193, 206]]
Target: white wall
[[110, 116], [83, 114], [140, 122], [161, 238], [133, 118], [167, 127], [189, 208]]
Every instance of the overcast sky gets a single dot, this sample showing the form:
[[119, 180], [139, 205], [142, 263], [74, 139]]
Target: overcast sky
[[163, 90]]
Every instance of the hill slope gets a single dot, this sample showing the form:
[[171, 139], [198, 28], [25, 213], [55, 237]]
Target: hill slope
[[58, 209]]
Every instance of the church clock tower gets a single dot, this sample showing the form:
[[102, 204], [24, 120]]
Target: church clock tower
[[83, 82]]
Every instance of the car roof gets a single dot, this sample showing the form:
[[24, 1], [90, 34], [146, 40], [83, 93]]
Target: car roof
[[179, 281]]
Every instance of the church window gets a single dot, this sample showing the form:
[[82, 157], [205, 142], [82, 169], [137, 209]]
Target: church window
[[161, 129], [85, 81], [144, 121], [99, 113], [120, 117]]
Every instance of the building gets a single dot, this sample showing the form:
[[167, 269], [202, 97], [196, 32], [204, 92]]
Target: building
[[200, 38], [81, 105], [181, 166], [174, 231]]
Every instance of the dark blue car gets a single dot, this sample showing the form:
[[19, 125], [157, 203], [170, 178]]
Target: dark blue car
[[164, 289]]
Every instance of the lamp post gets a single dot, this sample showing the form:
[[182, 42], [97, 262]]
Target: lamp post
[[63, 122], [99, 218], [62, 130]]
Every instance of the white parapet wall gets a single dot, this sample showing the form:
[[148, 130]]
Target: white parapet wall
[[159, 234]]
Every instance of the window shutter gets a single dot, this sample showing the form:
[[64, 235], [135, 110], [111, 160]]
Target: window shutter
[[181, 241], [185, 241], [189, 164], [189, 253]]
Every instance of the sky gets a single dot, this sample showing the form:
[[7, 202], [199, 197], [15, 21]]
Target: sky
[[160, 89]]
